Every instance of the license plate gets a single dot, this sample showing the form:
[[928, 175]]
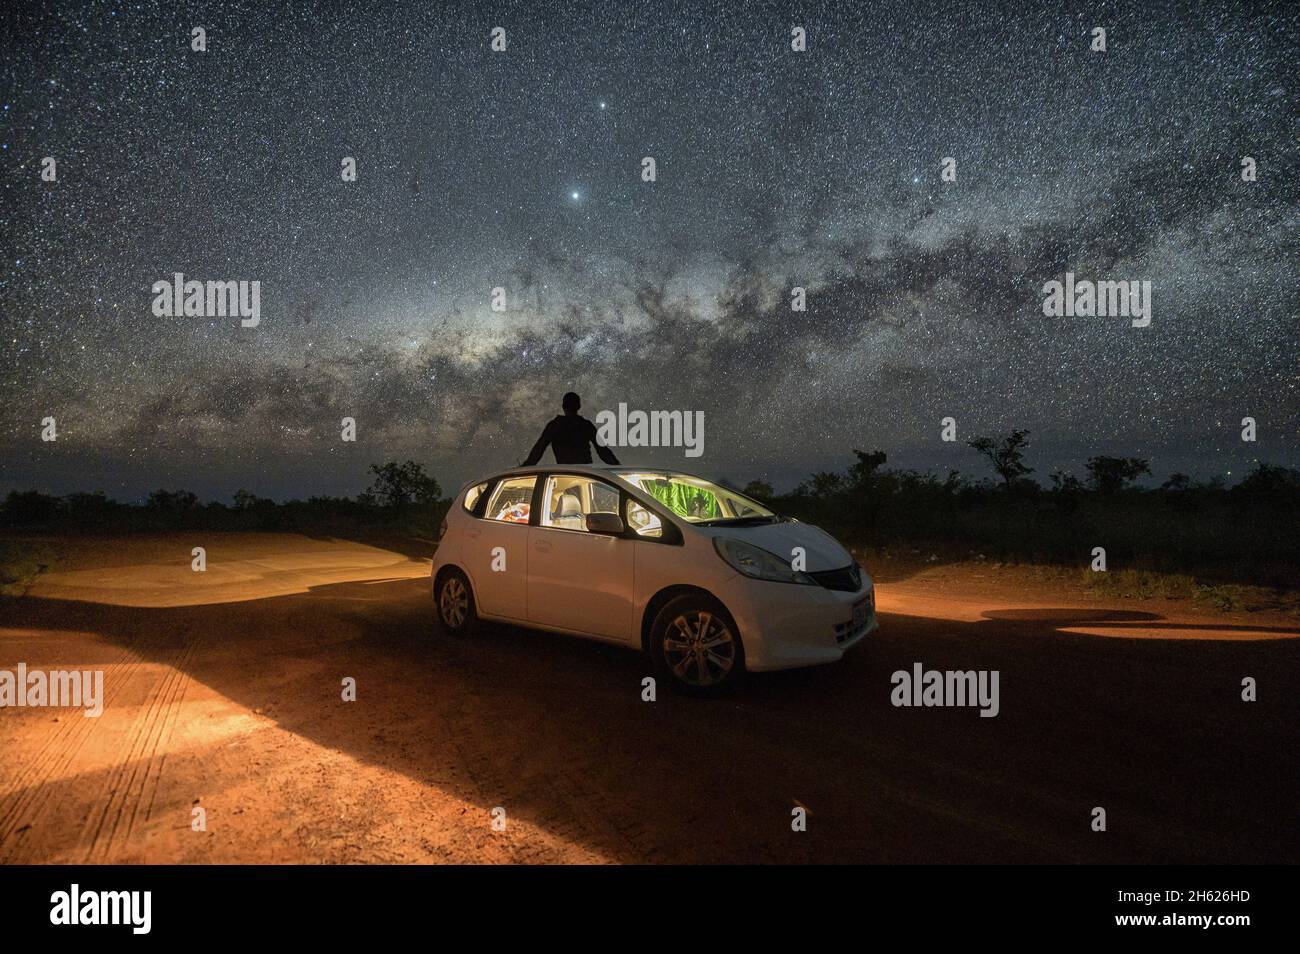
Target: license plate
[[859, 614]]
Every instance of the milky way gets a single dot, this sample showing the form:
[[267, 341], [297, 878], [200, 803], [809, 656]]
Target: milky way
[[522, 169]]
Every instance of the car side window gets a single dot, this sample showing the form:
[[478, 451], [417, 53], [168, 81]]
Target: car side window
[[568, 500], [643, 521], [511, 500], [473, 494]]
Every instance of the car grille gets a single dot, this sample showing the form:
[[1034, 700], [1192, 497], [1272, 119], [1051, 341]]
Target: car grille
[[846, 631], [847, 579]]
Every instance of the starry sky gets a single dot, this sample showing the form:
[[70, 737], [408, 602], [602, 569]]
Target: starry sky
[[522, 170]]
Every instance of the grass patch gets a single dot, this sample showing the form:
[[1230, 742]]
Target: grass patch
[[1140, 584], [21, 561], [892, 564], [1225, 597]]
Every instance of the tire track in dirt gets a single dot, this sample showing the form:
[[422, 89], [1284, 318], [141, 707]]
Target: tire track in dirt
[[150, 775], [31, 788], [138, 772]]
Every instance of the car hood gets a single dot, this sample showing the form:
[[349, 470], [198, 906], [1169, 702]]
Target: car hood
[[823, 552]]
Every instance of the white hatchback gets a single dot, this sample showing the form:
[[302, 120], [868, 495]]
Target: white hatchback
[[707, 581]]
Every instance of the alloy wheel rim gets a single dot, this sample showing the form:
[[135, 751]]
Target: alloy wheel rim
[[454, 602], [699, 648]]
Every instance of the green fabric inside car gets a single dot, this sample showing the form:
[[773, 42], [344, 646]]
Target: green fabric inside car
[[684, 500]]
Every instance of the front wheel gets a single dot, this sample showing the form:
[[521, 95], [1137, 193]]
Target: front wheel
[[695, 643], [454, 600]]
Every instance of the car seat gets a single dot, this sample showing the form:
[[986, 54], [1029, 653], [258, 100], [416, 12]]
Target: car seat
[[570, 513]]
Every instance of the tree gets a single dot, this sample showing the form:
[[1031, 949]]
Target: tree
[[1108, 475], [397, 485], [174, 500], [1063, 482], [88, 504], [29, 506], [759, 490], [1179, 492], [1067, 491], [1007, 456], [1269, 480], [863, 473], [824, 483], [248, 501]]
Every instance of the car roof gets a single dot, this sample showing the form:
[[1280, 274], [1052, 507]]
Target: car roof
[[593, 469], [547, 468]]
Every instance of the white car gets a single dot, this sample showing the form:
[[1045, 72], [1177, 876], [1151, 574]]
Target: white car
[[700, 577]]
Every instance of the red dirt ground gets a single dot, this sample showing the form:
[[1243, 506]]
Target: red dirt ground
[[223, 692]]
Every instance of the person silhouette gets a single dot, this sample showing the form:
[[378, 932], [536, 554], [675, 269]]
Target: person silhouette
[[571, 436]]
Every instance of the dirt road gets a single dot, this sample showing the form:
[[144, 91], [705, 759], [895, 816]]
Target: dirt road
[[223, 693]]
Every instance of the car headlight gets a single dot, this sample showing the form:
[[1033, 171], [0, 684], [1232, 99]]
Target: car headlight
[[757, 563]]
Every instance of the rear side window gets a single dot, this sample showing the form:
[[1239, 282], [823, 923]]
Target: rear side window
[[473, 494], [511, 500], [569, 499]]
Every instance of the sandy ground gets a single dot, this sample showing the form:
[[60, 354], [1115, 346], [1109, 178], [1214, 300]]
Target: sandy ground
[[224, 693]]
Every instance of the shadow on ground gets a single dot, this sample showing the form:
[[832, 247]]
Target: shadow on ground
[[1153, 730]]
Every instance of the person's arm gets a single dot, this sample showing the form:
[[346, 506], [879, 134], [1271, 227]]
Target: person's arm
[[605, 453], [540, 447]]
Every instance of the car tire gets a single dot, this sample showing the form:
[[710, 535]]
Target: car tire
[[453, 604], [685, 647]]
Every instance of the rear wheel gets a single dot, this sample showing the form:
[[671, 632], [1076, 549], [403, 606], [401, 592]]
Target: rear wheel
[[695, 644], [454, 600]]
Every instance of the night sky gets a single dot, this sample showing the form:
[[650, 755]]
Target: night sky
[[522, 169]]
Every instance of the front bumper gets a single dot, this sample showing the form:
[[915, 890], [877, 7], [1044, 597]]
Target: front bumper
[[788, 625]]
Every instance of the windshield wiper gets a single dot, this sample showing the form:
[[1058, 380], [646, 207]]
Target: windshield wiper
[[737, 521]]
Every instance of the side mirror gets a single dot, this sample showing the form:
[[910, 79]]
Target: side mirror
[[609, 523]]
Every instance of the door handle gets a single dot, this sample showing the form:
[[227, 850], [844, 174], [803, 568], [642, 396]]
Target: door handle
[[542, 545]]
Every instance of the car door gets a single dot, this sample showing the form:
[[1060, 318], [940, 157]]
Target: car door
[[496, 549], [578, 580]]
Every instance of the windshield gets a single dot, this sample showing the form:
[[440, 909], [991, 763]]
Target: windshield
[[699, 501]]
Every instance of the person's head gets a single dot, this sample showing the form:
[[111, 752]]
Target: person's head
[[571, 403]]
